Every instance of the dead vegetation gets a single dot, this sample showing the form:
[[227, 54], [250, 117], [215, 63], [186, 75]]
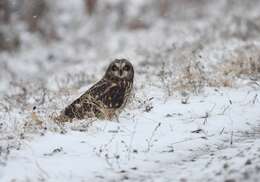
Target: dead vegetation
[[192, 78], [245, 61], [178, 69], [4, 11], [90, 6], [182, 70], [192, 75], [241, 63]]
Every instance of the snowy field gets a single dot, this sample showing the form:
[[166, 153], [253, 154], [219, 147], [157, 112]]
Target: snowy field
[[194, 114]]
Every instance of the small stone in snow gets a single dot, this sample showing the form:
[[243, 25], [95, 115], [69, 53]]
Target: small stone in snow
[[135, 151], [248, 162], [134, 168], [225, 166], [230, 180], [123, 171]]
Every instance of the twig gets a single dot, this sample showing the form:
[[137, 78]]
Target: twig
[[150, 140], [255, 99], [221, 132], [131, 141], [43, 97], [224, 110], [191, 139], [207, 114], [232, 131], [231, 137]]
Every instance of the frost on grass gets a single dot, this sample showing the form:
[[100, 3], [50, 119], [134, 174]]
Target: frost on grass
[[196, 71], [243, 62]]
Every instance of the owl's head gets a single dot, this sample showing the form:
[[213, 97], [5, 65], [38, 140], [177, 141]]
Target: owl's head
[[120, 69]]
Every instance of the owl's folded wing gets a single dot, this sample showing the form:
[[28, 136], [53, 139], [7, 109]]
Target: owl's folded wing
[[89, 103]]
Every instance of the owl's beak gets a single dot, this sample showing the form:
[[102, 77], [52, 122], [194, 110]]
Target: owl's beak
[[120, 72]]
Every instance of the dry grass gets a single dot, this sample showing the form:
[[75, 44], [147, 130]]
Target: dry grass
[[190, 75], [242, 63], [183, 71], [245, 61], [192, 78]]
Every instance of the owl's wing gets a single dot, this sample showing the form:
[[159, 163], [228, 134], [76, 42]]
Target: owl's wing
[[104, 94], [110, 94], [90, 102], [100, 88]]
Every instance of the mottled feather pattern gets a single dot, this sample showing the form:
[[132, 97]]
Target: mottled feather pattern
[[104, 98]]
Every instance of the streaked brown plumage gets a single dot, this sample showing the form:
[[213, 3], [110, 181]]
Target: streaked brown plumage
[[107, 96]]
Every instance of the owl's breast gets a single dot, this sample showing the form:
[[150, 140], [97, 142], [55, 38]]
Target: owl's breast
[[116, 95]]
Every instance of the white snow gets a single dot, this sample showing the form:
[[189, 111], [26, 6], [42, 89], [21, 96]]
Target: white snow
[[172, 141], [167, 132]]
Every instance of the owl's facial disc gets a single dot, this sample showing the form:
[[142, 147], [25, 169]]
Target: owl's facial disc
[[121, 69]]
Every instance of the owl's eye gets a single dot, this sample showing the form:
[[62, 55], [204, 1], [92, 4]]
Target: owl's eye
[[127, 68], [114, 68]]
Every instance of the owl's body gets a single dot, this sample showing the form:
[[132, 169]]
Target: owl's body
[[107, 97]]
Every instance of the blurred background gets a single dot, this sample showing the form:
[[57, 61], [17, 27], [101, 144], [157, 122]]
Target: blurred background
[[51, 51], [86, 20], [72, 41], [89, 21]]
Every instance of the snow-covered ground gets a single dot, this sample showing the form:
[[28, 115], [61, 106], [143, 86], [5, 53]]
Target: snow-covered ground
[[194, 115], [214, 137]]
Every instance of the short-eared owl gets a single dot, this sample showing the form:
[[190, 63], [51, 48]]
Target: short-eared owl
[[106, 97]]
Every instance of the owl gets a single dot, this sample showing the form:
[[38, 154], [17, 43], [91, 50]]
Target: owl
[[107, 97]]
